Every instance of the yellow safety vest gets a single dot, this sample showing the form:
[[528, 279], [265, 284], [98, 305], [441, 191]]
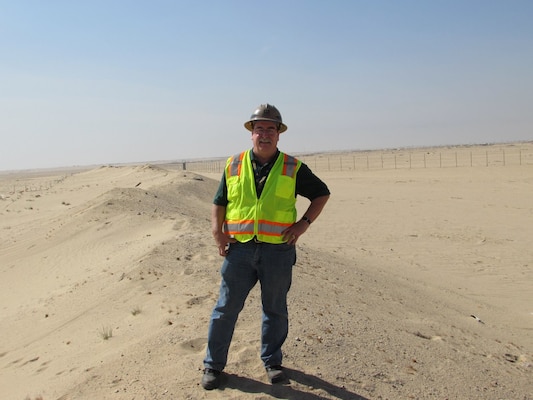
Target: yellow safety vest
[[265, 217]]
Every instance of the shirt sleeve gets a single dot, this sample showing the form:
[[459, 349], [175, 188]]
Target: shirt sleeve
[[309, 185], [221, 196]]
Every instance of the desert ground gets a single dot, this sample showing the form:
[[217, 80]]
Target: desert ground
[[414, 283]]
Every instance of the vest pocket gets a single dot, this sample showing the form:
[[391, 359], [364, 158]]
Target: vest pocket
[[232, 184], [285, 187]]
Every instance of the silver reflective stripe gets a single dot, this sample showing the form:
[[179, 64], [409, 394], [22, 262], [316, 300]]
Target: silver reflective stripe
[[265, 228]]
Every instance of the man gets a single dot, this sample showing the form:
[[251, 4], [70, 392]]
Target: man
[[255, 228]]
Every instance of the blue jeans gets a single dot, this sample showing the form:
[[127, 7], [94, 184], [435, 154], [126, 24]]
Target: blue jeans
[[244, 265]]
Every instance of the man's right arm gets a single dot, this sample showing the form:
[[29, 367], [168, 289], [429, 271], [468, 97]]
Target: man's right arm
[[218, 215]]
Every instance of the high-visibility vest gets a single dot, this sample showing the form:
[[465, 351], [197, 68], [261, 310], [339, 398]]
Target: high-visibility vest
[[267, 216]]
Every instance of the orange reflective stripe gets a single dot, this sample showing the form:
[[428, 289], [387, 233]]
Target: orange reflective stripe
[[284, 170]]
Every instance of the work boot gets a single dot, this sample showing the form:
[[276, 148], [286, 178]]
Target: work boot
[[210, 379], [275, 374]]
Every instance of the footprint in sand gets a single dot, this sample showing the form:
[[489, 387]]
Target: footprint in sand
[[194, 345], [196, 300]]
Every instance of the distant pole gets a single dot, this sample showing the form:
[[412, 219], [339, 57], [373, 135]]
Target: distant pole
[[471, 162], [440, 159], [424, 160]]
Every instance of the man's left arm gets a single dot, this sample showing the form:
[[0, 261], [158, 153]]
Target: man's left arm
[[315, 208], [297, 229], [313, 188]]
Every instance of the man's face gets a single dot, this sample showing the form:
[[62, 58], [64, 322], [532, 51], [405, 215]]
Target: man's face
[[265, 137]]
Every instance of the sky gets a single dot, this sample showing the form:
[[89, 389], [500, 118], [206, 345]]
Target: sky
[[126, 81]]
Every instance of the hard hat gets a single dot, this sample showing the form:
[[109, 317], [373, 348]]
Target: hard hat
[[266, 112]]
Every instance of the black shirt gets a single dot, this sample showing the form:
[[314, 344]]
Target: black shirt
[[308, 184]]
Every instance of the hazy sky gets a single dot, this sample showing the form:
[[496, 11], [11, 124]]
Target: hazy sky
[[103, 82]]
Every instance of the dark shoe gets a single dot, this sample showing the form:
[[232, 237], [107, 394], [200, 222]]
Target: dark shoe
[[211, 379], [276, 374]]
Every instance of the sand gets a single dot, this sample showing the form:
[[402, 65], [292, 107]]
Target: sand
[[414, 283]]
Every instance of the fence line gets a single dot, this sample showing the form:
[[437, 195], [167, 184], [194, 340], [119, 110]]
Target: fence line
[[27, 185], [397, 159]]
